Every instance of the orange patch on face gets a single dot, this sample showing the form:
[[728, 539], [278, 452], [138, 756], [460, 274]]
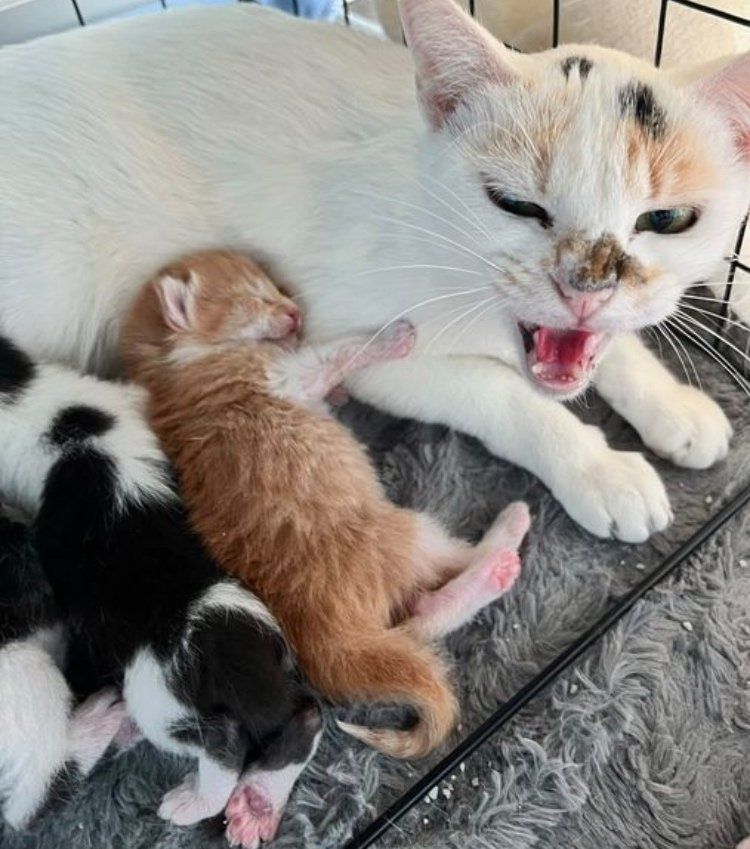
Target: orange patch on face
[[678, 167]]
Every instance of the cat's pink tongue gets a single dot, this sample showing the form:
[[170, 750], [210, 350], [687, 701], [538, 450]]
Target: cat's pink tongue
[[561, 347]]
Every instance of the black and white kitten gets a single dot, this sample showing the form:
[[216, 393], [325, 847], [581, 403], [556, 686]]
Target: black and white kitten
[[46, 745], [204, 669]]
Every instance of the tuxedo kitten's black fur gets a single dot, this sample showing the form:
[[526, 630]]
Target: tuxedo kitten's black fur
[[46, 746], [203, 666]]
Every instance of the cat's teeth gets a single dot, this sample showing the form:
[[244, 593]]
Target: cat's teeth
[[537, 368]]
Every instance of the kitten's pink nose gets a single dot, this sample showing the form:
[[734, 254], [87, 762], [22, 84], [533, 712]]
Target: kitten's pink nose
[[295, 319], [584, 304]]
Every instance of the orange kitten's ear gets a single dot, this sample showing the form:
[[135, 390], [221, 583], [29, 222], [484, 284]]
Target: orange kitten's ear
[[177, 298], [729, 90], [453, 56]]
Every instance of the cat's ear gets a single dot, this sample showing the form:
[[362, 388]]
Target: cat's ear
[[728, 88], [177, 299], [453, 56]]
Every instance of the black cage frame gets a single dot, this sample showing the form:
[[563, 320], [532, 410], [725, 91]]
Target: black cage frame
[[505, 712]]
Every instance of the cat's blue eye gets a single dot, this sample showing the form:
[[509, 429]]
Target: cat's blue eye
[[667, 221], [516, 206]]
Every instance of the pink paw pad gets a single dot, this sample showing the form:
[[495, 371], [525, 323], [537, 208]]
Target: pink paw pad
[[504, 567], [400, 340], [251, 817]]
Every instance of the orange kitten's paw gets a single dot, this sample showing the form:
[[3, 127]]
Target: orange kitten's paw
[[502, 570], [400, 339], [251, 817]]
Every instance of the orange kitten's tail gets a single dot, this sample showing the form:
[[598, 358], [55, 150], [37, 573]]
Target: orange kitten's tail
[[393, 666]]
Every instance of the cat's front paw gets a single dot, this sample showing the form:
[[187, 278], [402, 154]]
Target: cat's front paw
[[685, 426], [615, 494]]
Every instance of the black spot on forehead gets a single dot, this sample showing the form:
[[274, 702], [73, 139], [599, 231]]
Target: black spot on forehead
[[584, 66], [16, 369], [637, 101], [74, 424]]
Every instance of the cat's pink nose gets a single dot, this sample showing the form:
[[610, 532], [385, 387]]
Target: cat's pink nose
[[584, 304]]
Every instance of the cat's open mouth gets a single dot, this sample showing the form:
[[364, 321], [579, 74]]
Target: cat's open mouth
[[561, 361]]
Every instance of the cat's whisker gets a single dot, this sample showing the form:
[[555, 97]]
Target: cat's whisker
[[689, 359], [418, 266], [702, 327], [401, 314], [437, 245], [722, 320], [477, 221], [712, 352], [652, 332], [441, 237], [422, 209], [467, 312], [668, 336], [473, 320]]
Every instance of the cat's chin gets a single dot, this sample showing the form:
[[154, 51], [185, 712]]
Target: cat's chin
[[561, 361]]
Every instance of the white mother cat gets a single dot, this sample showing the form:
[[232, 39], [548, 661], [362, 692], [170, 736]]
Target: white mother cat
[[525, 212]]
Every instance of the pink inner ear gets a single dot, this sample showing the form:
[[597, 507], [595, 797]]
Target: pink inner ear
[[175, 299], [453, 56], [729, 90]]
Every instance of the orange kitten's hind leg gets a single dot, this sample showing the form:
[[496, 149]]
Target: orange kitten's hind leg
[[494, 571]]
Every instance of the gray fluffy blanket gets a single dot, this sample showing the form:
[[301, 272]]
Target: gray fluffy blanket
[[643, 744]]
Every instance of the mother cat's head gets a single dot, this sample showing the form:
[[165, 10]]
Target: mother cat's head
[[600, 186]]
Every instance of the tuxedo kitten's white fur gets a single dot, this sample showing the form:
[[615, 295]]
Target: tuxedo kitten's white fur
[[525, 212]]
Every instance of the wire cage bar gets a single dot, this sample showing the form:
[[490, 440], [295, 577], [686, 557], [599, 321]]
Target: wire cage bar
[[380, 825]]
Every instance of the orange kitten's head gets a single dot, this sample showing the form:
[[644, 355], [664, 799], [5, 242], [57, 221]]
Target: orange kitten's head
[[209, 298]]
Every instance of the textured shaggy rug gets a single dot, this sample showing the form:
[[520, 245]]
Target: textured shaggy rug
[[644, 744]]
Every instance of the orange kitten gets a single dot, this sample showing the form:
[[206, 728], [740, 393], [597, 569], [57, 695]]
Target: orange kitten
[[287, 500]]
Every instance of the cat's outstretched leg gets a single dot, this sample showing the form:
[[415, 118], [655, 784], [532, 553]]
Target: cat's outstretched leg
[[255, 807], [610, 493], [308, 375], [676, 421], [494, 571]]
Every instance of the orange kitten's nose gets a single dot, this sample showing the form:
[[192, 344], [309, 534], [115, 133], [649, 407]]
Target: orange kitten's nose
[[295, 319]]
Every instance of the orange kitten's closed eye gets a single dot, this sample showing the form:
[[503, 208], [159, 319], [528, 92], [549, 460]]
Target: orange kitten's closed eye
[[221, 298]]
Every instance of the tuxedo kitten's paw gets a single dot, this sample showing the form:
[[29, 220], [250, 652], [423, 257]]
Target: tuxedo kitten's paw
[[686, 427], [186, 805], [251, 816], [745, 844], [617, 494]]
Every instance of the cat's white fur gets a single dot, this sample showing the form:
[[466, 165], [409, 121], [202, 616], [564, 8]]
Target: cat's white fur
[[127, 145]]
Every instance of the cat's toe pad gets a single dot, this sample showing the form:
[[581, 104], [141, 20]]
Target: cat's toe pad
[[251, 817]]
